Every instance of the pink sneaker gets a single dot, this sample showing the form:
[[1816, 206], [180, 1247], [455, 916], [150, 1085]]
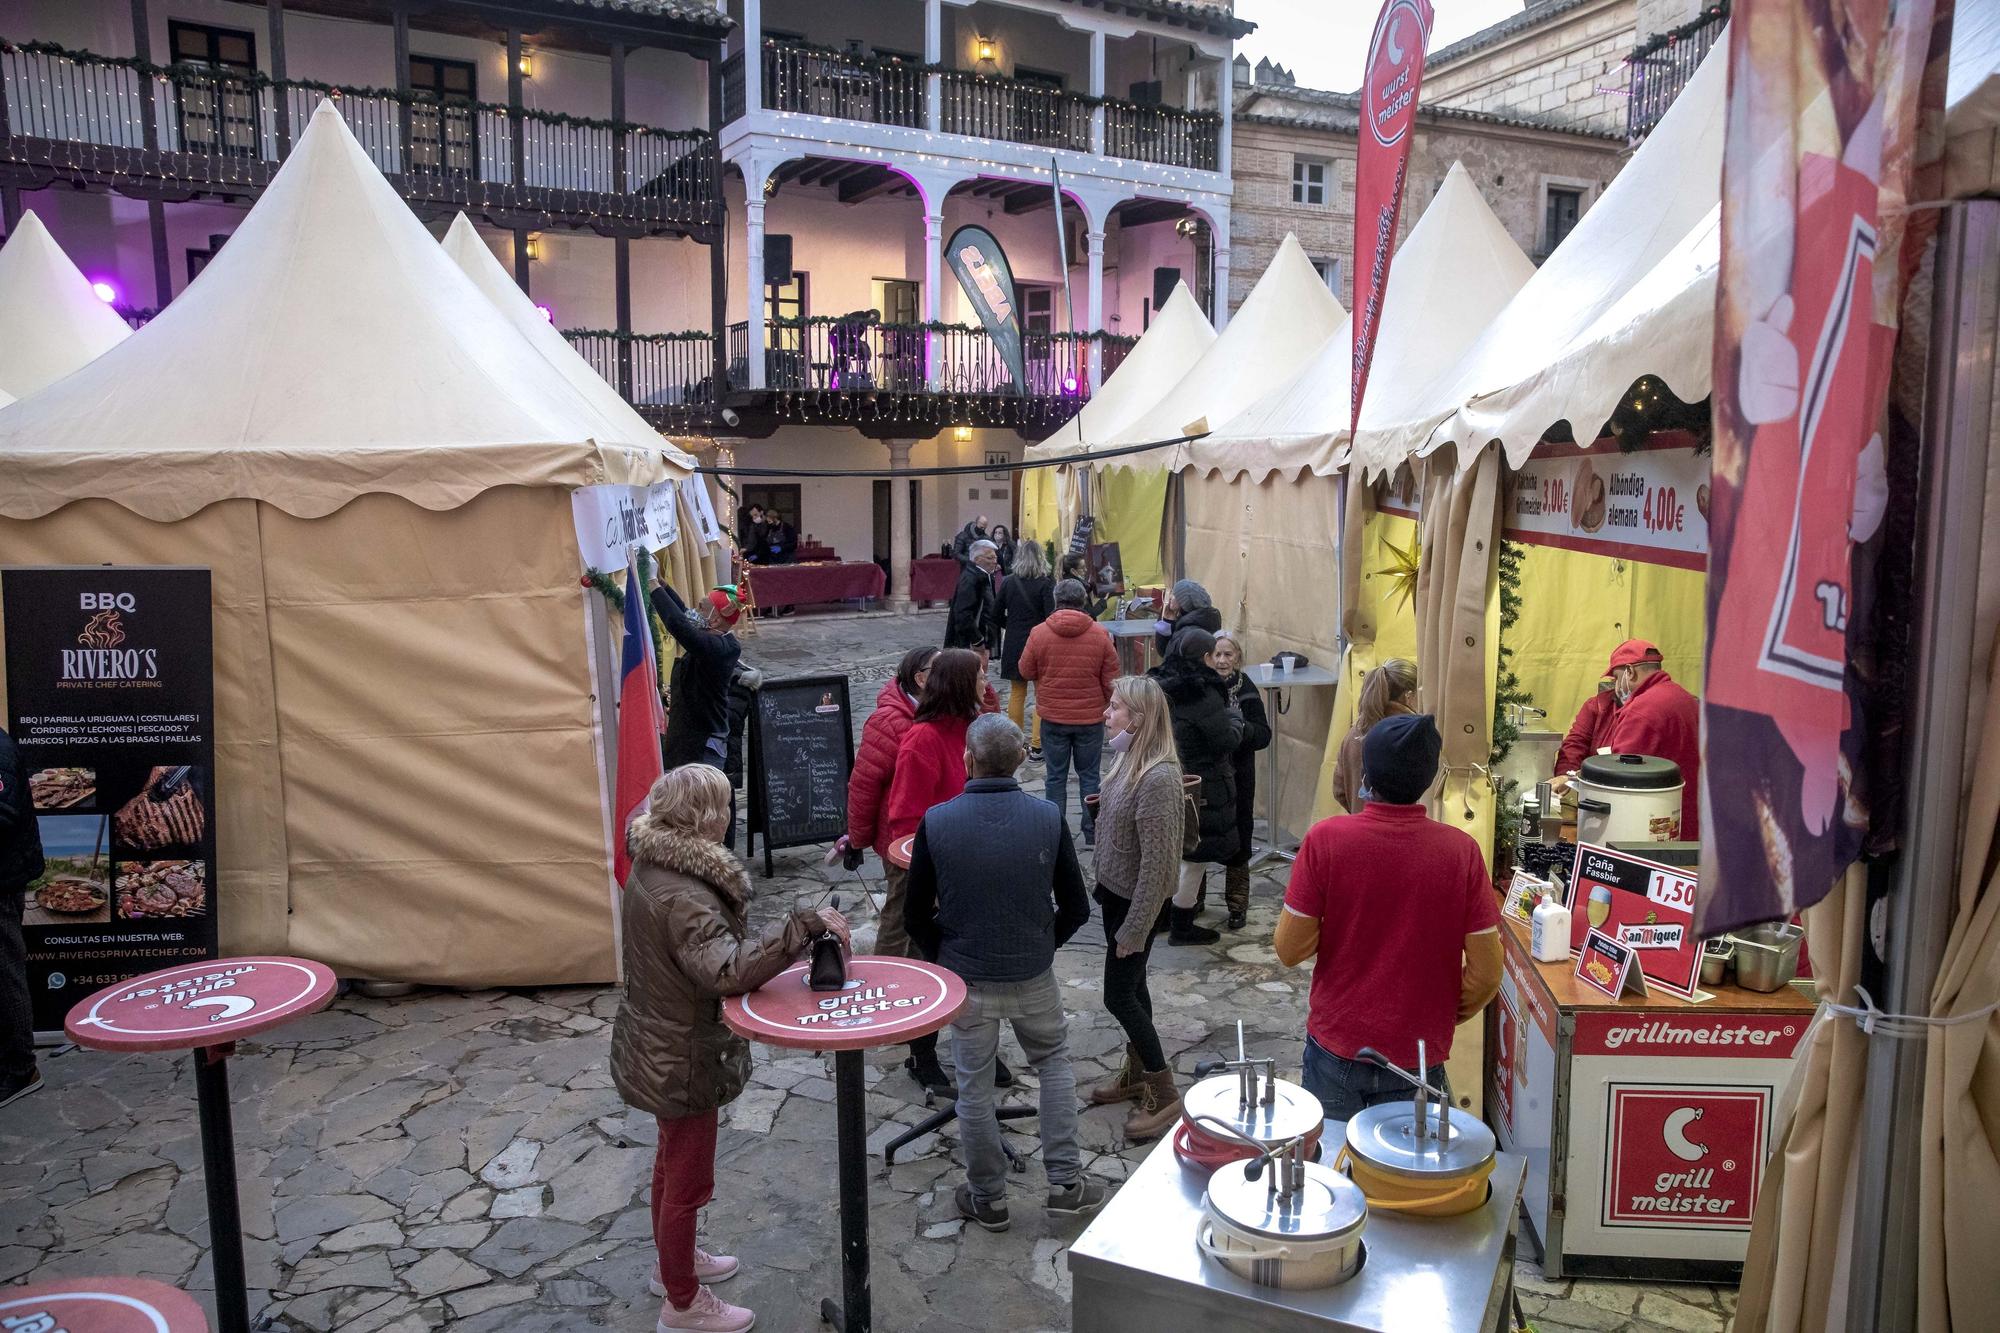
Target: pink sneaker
[[708, 1269], [708, 1314]]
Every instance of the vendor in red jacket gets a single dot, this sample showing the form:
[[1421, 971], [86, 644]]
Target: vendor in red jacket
[[1399, 915], [1590, 732], [1659, 718]]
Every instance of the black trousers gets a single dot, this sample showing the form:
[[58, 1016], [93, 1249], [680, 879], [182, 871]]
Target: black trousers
[[1125, 995], [17, 1016]]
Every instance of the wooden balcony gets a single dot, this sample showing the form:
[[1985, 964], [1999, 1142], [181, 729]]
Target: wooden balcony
[[840, 85], [182, 131]]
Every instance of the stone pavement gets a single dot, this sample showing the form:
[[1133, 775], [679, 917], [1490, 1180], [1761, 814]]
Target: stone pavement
[[455, 1160]]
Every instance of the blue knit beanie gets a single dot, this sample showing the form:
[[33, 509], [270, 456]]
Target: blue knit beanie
[[1399, 757]]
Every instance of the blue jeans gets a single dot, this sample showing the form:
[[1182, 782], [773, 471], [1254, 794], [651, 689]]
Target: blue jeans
[[1063, 742], [1035, 1008], [1345, 1088]]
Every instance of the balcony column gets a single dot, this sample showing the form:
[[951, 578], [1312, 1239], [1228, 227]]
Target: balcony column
[[753, 60], [274, 11], [933, 290], [1094, 313], [753, 261], [933, 56], [149, 128], [1225, 83], [621, 246], [725, 460], [899, 525], [1219, 316], [1097, 91], [517, 127], [400, 28]]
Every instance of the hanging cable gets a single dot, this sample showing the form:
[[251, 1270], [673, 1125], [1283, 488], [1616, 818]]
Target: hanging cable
[[955, 470]]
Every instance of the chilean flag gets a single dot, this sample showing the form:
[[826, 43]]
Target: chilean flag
[[642, 720]]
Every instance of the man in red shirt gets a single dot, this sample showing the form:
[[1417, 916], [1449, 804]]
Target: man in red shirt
[[1400, 916], [1658, 717]]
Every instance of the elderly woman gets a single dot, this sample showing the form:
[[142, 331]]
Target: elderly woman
[[1227, 659], [1208, 728], [687, 943], [1027, 598], [1390, 690]]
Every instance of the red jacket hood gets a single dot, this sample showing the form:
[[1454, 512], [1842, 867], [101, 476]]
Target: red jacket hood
[[891, 696], [1069, 623]]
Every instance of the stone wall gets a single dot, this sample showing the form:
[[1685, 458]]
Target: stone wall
[[1568, 69], [1657, 16], [1509, 165]]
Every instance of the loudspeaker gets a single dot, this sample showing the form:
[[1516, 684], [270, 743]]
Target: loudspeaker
[[777, 257], [1164, 282]]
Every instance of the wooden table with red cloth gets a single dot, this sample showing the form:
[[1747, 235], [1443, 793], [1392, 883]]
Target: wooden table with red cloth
[[805, 585], [933, 578]]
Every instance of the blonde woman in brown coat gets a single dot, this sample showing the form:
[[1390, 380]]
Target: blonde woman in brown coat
[[687, 944]]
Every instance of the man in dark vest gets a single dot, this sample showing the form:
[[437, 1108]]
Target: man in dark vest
[[20, 866], [994, 891]]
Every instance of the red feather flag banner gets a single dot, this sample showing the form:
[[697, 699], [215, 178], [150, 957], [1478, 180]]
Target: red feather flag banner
[[1390, 86], [1830, 102]]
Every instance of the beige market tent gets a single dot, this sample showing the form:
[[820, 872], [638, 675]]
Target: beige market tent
[[54, 322], [1171, 345], [1972, 103], [1286, 316], [377, 468], [1630, 292]]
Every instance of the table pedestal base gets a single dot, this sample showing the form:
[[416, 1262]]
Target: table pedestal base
[[854, 1313], [218, 1170]]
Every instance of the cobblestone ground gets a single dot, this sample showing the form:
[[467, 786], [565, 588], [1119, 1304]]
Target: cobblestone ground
[[460, 1160]]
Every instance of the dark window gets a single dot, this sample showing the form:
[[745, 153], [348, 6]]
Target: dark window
[[1559, 215], [197, 260], [1038, 307], [1308, 181], [443, 132], [898, 301], [791, 300], [1039, 78], [216, 110]]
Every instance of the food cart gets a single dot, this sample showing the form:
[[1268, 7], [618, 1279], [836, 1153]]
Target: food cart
[[1645, 1121]]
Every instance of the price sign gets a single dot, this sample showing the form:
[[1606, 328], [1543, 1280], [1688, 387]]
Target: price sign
[[1643, 906], [1649, 504]]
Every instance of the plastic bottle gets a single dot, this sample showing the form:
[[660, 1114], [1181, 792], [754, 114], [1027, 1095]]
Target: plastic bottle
[[1548, 931]]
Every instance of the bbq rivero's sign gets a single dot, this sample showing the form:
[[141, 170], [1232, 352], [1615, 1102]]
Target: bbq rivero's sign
[[1648, 504], [110, 698]]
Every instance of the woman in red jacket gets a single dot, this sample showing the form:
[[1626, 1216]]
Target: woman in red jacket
[[929, 770], [875, 762]]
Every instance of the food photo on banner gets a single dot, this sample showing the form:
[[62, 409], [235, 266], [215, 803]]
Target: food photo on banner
[[110, 698]]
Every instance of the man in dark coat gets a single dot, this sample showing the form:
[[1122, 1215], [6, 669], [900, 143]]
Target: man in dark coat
[[20, 866], [698, 718], [961, 545], [973, 621], [1207, 730]]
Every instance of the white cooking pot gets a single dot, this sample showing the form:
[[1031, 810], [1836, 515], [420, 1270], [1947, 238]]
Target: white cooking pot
[[1628, 798], [1307, 1239]]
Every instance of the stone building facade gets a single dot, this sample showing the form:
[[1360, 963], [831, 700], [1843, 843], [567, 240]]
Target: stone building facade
[[1557, 61], [1287, 137]]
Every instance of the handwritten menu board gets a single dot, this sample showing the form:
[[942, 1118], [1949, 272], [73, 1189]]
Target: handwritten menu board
[[801, 751]]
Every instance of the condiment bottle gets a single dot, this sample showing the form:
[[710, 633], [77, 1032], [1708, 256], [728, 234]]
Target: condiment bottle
[[1548, 931]]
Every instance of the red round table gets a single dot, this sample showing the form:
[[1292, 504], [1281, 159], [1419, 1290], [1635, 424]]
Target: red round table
[[205, 1008], [900, 849], [100, 1305], [887, 1001]]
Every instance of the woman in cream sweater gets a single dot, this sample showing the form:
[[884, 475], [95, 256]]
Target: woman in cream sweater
[[1138, 856]]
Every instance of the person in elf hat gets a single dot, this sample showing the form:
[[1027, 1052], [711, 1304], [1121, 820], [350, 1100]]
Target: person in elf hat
[[698, 712], [1657, 717]]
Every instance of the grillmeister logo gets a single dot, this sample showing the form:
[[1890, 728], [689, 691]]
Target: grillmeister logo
[[1661, 1033], [101, 656]]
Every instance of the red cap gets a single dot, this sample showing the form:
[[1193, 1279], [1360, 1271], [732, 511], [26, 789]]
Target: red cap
[[726, 607], [1630, 653]]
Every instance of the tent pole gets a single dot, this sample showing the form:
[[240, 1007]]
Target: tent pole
[[1956, 428], [1340, 481]]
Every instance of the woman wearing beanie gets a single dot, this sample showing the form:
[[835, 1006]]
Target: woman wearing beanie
[[1138, 843], [1207, 730], [1227, 659], [1400, 917], [1390, 690], [1027, 598], [1188, 607]]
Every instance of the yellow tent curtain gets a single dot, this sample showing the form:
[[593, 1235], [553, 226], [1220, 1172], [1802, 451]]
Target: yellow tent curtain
[[1041, 517], [1131, 509], [1384, 626]]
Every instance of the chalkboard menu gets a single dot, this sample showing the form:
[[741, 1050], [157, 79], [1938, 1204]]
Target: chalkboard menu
[[801, 751]]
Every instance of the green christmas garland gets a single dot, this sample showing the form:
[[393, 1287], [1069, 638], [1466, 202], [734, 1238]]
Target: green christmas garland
[[615, 597], [1507, 693]]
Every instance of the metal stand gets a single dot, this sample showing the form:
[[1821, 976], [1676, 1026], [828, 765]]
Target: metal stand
[[218, 1162], [937, 1120], [854, 1312], [1274, 848]]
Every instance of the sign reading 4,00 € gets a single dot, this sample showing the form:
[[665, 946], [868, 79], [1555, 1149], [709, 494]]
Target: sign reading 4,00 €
[[110, 701]]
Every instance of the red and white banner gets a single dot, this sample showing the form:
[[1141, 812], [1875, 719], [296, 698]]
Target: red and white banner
[[1829, 102], [1390, 86], [1648, 504]]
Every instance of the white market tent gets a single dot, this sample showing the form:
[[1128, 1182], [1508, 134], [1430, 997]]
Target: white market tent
[[1972, 102], [1283, 320], [1630, 292], [376, 467], [54, 321], [1454, 271], [1176, 339]]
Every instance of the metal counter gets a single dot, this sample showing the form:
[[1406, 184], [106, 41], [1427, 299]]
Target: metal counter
[[1137, 1268]]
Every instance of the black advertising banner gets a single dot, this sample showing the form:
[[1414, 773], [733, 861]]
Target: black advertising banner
[[111, 700], [982, 270]]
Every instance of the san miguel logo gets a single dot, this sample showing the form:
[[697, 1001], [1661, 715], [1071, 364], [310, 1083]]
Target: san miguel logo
[[100, 654]]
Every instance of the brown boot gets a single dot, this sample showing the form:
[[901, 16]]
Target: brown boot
[[1236, 893], [1122, 1086], [1159, 1107]]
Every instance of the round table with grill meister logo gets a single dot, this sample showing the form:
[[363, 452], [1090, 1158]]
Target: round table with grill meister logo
[[206, 1008], [887, 1001], [100, 1305]]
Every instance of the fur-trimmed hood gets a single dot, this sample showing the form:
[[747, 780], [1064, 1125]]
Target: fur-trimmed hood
[[654, 843]]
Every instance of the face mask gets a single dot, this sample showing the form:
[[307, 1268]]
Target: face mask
[[1120, 743]]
